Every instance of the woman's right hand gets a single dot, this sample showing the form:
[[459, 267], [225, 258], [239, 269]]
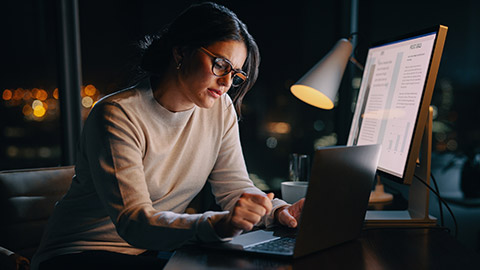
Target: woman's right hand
[[248, 212]]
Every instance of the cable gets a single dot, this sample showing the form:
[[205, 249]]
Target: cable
[[444, 202], [439, 201]]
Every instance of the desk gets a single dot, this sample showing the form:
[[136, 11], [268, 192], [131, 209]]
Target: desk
[[374, 249]]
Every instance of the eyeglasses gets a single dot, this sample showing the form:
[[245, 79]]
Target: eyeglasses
[[222, 67]]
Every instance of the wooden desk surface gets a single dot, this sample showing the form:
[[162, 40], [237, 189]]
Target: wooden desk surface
[[375, 249]]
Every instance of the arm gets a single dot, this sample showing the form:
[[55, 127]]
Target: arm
[[231, 184]]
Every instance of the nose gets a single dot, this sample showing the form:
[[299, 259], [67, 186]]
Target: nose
[[226, 80]]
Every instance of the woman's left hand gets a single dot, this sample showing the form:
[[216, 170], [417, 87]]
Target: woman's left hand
[[290, 214]]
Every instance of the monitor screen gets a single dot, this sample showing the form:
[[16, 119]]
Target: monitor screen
[[394, 97]]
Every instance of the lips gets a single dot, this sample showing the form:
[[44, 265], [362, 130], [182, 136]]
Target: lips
[[214, 92]]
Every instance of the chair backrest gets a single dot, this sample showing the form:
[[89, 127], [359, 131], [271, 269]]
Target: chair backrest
[[27, 199]]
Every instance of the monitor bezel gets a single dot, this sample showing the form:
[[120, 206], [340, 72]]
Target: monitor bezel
[[425, 101]]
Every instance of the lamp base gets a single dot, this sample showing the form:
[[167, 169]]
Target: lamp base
[[379, 195]]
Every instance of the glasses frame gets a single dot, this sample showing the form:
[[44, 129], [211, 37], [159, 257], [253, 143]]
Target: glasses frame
[[236, 72]]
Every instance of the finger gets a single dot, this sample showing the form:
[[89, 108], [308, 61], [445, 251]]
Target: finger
[[241, 224], [247, 215], [244, 220], [249, 205], [270, 195], [287, 219], [260, 199], [296, 209]]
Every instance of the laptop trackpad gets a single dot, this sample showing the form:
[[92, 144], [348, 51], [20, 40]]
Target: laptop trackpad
[[254, 237]]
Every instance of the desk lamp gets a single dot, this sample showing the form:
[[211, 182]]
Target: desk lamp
[[319, 87]]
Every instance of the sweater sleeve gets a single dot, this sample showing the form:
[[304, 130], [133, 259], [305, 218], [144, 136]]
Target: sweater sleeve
[[229, 177], [114, 152]]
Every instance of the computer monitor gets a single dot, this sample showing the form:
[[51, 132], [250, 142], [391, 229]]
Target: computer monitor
[[393, 103], [394, 97]]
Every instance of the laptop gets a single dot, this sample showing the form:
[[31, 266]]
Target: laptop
[[334, 210]]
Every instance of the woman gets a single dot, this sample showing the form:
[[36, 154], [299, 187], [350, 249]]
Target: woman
[[146, 151]]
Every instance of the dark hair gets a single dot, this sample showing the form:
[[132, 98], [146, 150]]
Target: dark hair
[[201, 25]]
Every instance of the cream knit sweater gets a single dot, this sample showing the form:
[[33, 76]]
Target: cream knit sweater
[[138, 167]]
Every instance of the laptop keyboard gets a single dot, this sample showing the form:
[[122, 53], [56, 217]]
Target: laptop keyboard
[[280, 245]]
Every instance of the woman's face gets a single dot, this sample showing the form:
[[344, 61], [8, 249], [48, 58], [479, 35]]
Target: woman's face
[[198, 84]]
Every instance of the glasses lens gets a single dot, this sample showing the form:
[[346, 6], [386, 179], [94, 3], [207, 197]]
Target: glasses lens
[[238, 79], [221, 67]]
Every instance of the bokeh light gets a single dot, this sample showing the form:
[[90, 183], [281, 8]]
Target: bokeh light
[[18, 94], [87, 102], [271, 142], [7, 94], [41, 95], [39, 111], [90, 90], [27, 110], [39, 104]]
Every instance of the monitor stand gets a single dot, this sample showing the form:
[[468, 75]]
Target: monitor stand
[[418, 202]]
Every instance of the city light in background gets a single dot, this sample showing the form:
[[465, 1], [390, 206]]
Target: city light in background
[[37, 106], [41, 105]]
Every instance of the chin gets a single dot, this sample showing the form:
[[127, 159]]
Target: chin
[[207, 104]]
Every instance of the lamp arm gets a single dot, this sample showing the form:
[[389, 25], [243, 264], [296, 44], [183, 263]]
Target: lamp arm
[[352, 58], [357, 64]]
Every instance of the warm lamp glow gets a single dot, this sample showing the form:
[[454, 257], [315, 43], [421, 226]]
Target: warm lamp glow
[[312, 96], [319, 86]]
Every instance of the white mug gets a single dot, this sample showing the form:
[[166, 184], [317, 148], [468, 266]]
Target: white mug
[[292, 191]]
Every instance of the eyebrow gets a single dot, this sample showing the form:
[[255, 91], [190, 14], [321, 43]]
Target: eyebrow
[[230, 61], [241, 68], [221, 56]]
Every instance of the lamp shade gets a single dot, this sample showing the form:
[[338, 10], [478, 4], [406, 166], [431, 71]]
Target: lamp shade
[[320, 85]]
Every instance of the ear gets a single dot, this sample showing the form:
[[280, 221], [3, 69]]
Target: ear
[[177, 55]]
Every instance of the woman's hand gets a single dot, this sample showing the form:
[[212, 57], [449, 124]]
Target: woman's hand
[[290, 214], [248, 211]]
